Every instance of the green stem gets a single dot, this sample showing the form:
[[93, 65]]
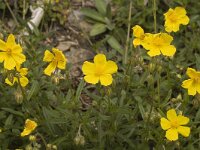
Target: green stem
[[42, 138], [128, 34], [154, 16], [15, 19]]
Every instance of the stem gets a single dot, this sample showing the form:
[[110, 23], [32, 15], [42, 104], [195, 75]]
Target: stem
[[15, 19], [154, 16], [128, 33], [42, 138]]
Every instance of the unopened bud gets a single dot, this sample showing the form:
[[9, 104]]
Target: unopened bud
[[79, 140], [32, 138]]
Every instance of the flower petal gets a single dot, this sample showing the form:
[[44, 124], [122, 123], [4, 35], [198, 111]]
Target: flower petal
[[185, 20], [2, 56], [192, 73], [184, 131], [180, 11], [138, 31], [19, 58], [106, 79], [2, 45], [88, 68], [110, 67], [91, 78], [48, 56], [165, 124], [9, 82], [11, 41], [50, 68], [171, 115], [168, 50], [182, 120], [171, 134], [61, 64], [23, 81], [9, 63], [100, 59], [17, 49], [59, 56], [154, 52], [187, 83]]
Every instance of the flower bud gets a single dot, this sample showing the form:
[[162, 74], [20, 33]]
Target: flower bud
[[79, 140], [32, 138]]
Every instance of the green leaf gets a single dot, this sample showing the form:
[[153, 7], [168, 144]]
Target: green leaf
[[98, 29], [93, 14], [79, 90], [112, 41], [101, 6], [13, 111], [8, 121], [34, 89]]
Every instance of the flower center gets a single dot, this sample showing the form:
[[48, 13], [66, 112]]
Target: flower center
[[174, 124], [9, 51], [99, 71]]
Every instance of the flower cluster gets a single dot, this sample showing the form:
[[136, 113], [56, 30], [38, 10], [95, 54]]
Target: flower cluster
[[160, 43]]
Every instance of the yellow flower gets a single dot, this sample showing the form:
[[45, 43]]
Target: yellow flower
[[192, 84], [139, 35], [174, 18], [101, 70], [159, 43], [56, 60], [11, 53], [21, 73], [29, 127], [173, 125]]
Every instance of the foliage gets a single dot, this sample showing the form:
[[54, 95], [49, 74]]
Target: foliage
[[124, 115]]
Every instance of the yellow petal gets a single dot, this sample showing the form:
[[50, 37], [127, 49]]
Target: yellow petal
[[172, 134], [2, 56], [187, 83], [48, 56], [9, 82], [165, 124], [185, 20], [192, 73], [138, 31], [180, 11], [100, 59], [106, 79], [110, 67], [154, 52], [25, 132], [59, 55], [182, 120], [23, 81], [19, 58], [9, 63], [184, 131], [170, 26], [192, 90], [166, 38], [50, 68], [16, 49], [11, 40], [88, 68], [171, 115], [137, 42], [168, 50], [23, 71], [91, 78], [61, 64], [2, 45]]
